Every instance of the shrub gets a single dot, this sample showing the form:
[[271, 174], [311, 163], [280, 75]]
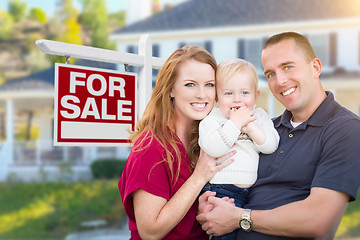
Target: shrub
[[107, 168]]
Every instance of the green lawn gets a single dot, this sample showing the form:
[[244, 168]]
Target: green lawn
[[52, 210], [350, 223]]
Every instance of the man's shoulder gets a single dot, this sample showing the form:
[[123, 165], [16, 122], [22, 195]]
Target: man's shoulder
[[342, 124], [276, 119], [344, 117]]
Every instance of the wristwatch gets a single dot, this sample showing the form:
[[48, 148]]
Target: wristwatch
[[245, 221]]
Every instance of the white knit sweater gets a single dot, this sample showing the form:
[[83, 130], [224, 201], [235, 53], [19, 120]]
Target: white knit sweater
[[219, 135]]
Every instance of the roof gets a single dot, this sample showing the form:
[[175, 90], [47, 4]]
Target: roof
[[195, 14], [44, 80]]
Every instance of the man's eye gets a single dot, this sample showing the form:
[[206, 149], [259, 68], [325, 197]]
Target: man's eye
[[270, 75], [288, 67], [189, 85]]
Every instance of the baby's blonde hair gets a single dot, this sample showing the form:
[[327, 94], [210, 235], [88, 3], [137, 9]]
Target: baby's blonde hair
[[228, 68]]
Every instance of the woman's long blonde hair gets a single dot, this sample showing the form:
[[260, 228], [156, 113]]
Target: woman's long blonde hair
[[158, 119]]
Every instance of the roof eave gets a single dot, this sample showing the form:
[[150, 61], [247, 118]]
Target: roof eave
[[243, 30]]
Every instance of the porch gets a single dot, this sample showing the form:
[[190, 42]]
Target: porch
[[39, 160], [27, 152]]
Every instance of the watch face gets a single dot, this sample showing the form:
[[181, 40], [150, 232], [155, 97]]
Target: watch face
[[245, 224]]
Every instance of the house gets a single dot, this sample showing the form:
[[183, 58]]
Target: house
[[226, 28], [28, 154], [238, 29]]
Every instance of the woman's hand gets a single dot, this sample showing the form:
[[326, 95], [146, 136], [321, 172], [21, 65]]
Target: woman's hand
[[207, 166]]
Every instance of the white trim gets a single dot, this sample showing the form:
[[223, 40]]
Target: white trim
[[26, 94]]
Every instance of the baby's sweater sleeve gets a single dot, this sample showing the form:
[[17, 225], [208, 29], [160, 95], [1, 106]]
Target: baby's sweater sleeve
[[217, 135], [272, 137]]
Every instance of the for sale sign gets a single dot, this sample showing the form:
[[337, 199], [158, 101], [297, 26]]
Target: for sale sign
[[93, 106]]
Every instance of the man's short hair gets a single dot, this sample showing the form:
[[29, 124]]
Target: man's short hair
[[301, 42]]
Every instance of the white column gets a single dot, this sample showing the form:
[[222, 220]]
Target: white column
[[65, 154], [6, 150], [38, 153], [3, 163], [93, 154], [137, 10], [10, 130], [271, 105]]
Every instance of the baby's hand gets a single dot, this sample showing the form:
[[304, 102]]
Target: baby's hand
[[248, 128], [241, 116]]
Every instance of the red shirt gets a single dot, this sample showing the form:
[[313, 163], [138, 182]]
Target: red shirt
[[146, 170]]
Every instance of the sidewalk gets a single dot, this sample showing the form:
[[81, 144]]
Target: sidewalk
[[122, 233], [103, 234]]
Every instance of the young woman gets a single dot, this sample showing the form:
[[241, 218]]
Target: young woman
[[166, 170]]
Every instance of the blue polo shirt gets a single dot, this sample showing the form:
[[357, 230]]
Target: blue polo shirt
[[321, 152]]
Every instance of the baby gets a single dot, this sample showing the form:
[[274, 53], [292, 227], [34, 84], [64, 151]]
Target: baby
[[237, 125]]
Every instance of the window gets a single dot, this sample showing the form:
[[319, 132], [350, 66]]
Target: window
[[241, 48], [155, 53], [182, 44], [253, 52], [131, 49], [206, 45], [321, 46], [333, 50]]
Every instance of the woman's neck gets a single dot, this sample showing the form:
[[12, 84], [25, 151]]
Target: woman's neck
[[181, 130]]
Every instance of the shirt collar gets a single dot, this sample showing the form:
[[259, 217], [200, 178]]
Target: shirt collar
[[318, 118]]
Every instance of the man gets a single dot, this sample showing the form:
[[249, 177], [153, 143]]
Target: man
[[304, 187]]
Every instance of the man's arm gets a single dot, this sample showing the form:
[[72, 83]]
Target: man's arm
[[312, 217]]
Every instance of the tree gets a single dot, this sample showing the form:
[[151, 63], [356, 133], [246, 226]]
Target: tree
[[67, 10], [95, 18], [6, 23], [117, 20], [69, 30], [17, 9], [38, 14]]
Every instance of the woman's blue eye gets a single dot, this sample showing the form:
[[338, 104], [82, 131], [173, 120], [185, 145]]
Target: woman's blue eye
[[210, 85], [189, 84]]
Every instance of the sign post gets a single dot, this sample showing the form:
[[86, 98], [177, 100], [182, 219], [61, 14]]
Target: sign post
[[93, 106]]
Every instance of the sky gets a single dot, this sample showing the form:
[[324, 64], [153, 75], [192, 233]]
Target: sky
[[49, 6]]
